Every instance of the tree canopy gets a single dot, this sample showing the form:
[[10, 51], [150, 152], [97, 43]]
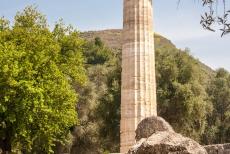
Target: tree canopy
[[37, 69]]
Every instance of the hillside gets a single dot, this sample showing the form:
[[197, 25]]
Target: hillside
[[113, 39]]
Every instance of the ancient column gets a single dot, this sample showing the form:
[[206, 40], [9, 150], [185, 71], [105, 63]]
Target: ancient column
[[138, 92]]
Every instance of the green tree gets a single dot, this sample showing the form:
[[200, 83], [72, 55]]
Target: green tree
[[182, 99], [219, 120], [99, 101], [110, 104], [37, 101], [216, 16]]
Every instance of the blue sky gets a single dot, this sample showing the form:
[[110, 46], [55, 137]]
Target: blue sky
[[179, 24]]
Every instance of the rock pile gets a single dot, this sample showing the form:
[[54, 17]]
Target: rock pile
[[155, 136]]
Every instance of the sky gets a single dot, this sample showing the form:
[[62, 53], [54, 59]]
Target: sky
[[180, 23]]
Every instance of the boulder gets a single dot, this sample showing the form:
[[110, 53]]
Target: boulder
[[166, 142], [151, 125], [156, 136]]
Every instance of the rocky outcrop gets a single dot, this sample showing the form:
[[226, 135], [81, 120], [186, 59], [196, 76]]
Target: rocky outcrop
[[156, 136], [218, 149]]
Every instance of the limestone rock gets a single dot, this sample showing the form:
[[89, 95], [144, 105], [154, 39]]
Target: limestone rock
[[151, 125], [156, 136], [167, 142], [218, 149]]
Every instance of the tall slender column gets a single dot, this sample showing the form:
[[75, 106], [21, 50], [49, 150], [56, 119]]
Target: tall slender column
[[138, 92]]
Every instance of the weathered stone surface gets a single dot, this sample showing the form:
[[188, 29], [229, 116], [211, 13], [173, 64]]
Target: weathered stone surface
[[151, 125], [156, 136], [138, 89], [167, 142], [218, 149]]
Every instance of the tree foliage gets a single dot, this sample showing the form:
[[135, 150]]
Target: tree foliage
[[181, 94], [212, 16], [99, 102], [219, 119], [37, 101]]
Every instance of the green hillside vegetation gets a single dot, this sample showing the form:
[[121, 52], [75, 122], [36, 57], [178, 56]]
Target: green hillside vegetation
[[60, 89]]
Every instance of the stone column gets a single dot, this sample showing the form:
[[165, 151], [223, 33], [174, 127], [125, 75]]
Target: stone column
[[138, 92]]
